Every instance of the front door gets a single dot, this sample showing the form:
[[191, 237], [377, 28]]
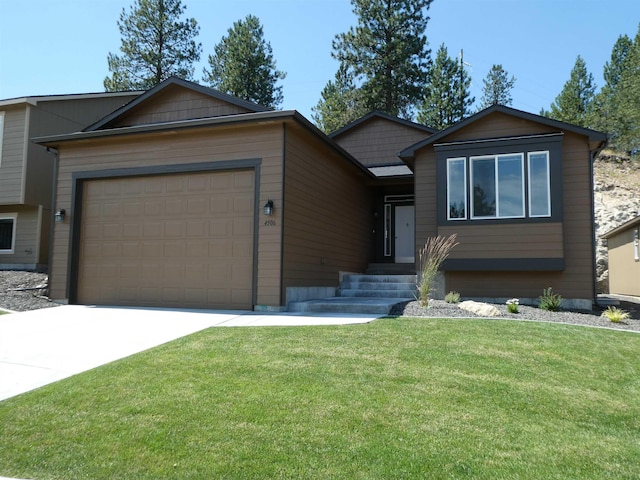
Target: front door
[[404, 234]]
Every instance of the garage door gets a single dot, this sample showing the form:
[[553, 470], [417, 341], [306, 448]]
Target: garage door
[[183, 240]]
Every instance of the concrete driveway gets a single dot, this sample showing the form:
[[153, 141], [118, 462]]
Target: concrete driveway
[[43, 346]]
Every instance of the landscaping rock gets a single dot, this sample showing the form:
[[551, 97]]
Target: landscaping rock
[[480, 309]]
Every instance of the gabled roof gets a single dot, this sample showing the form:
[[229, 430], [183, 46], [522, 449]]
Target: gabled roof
[[593, 135], [171, 81], [378, 114], [621, 228], [35, 99]]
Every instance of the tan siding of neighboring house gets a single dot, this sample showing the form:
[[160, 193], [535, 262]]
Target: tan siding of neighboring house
[[624, 268], [576, 281], [328, 223], [27, 244], [13, 155], [183, 147], [378, 141], [177, 103]]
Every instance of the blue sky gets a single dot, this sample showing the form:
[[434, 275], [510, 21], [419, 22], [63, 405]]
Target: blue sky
[[58, 47]]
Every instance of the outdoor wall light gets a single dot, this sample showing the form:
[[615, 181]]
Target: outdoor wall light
[[60, 214], [268, 208]]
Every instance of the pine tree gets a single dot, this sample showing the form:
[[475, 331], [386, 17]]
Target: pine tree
[[386, 53], [573, 104], [447, 99], [497, 87], [242, 65], [340, 103], [155, 45], [626, 102]]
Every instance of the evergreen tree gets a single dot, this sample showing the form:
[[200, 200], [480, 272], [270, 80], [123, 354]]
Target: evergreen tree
[[626, 102], [340, 103], [386, 53], [573, 104], [242, 65], [497, 87], [447, 99], [155, 45]]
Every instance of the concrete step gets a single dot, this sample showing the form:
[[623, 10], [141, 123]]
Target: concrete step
[[377, 306], [359, 292], [353, 278], [378, 286]]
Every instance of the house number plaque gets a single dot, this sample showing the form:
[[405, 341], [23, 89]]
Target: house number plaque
[[269, 223]]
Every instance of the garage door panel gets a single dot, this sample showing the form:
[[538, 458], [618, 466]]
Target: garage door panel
[[177, 240]]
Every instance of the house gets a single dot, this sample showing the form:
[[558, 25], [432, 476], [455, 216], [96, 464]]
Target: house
[[187, 197], [623, 248], [27, 170]]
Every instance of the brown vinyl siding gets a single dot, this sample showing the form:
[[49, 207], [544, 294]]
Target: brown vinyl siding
[[183, 147], [572, 239], [176, 103], [624, 269], [378, 141], [328, 219], [523, 240], [13, 156]]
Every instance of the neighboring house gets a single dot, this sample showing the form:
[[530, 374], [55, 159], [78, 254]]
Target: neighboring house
[[188, 197], [27, 170], [623, 248]]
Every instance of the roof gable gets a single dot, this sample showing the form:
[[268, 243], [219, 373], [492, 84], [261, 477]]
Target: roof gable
[[468, 129], [175, 99], [376, 115]]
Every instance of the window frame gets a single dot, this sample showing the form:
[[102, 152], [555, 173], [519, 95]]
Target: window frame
[[549, 206], [496, 179], [14, 218], [465, 192], [1, 134]]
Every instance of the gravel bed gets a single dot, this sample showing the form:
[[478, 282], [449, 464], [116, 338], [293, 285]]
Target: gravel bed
[[441, 309], [22, 301]]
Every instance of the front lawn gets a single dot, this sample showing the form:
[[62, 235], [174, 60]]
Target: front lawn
[[398, 398]]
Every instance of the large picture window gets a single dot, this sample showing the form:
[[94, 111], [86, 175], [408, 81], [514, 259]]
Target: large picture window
[[7, 233], [496, 187]]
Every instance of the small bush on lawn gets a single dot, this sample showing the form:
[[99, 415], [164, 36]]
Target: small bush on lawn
[[616, 315], [452, 297], [550, 301]]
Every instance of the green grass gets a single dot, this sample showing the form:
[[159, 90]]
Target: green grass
[[398, 398]]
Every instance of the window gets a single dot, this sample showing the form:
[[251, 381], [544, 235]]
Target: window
[[1, 134], [539, 190], [498, 186], [457, 188], [7, 232]]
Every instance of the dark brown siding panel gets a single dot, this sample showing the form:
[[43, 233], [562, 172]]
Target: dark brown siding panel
[[328, 214]]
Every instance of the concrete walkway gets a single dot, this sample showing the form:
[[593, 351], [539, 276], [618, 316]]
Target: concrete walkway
[[43, 346]]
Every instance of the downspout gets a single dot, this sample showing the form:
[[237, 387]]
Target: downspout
[[54, 190], [594, 273]]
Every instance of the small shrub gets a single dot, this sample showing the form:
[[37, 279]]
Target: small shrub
[[452, 297], [616, 315], [512, 305], [550, 301]]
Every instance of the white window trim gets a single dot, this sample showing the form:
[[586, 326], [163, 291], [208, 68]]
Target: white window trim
[[1, 134], [466, 209], [636, 244], [14, 217], [546, 152]]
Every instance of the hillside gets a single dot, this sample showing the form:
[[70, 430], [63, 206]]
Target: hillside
[[617, 200]]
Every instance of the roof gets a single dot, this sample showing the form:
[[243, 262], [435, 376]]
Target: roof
[[593, 135], [378, 114], [634, 222], [35, 99], [252, 107]]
